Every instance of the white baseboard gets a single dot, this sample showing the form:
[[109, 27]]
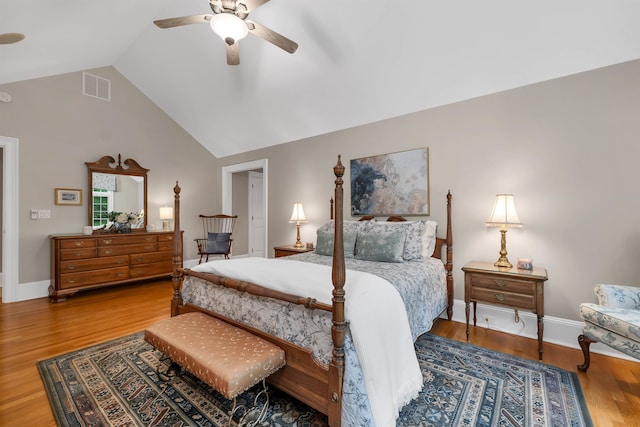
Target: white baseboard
[[557, 330]]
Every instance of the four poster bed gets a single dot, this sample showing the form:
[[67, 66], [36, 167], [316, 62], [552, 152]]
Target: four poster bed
[[353, 362]]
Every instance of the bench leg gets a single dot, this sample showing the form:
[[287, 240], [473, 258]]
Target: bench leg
[[256, 414]]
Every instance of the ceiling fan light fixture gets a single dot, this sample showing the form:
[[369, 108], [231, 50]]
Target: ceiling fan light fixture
[[229, 26]]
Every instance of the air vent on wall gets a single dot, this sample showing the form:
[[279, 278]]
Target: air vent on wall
[[96, 86]]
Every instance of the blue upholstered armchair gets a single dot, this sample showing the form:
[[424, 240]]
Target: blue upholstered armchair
[[614, 321]]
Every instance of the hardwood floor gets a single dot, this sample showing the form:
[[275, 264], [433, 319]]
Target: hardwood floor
[[35, 330]]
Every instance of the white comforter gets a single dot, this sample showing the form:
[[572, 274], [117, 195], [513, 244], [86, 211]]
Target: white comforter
[[377, 321]]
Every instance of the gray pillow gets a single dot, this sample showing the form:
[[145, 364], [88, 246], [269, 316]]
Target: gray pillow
[[324, 243], [380, 245], [218, 243]]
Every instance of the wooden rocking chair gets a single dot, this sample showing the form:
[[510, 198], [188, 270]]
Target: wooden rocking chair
[[216, 239]]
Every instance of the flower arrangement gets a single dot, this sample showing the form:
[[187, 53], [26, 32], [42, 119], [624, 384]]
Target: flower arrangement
[[123, 217], [120, 222]]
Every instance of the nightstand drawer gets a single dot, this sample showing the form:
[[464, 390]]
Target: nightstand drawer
[[501, 283], [505, 298]]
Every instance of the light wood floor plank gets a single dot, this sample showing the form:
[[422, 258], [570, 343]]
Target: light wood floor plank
[[36, 330]]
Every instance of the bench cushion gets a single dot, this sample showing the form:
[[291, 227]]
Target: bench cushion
[[228, 358]]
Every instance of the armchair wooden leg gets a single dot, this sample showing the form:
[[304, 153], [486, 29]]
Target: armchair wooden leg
[[585, 342]]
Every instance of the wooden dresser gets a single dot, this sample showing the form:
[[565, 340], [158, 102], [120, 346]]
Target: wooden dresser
[[80, 262]]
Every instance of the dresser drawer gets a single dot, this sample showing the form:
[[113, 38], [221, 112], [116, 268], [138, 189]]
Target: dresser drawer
[[153, 269], [74, 280], [506, 284], [506, 298], [150, 257], [127, 249], [77, 243], [165, 246], [81, 253], [165, 238], [126, 240], [93, 264]]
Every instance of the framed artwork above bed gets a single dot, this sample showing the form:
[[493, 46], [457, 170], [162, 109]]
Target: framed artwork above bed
[[391, 184]]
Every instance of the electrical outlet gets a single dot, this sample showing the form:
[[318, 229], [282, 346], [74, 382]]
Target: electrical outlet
[[34, 213], [44, 214]]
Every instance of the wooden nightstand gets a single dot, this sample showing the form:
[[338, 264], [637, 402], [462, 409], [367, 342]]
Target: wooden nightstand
[[290, 250], [511, 287]]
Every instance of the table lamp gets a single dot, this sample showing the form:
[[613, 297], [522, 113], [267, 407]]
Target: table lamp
[[297, 216], [166, 214], [504, 215]]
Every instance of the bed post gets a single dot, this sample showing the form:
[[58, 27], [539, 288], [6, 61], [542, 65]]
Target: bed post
[[338, 330], [176, 276], [449, 262]]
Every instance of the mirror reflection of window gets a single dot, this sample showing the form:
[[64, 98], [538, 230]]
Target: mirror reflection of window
[[102, 205]]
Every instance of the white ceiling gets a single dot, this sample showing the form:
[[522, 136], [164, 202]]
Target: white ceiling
[[359, 61]]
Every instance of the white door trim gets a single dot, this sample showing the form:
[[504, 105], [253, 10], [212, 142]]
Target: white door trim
[[9, 219], [227, 188]]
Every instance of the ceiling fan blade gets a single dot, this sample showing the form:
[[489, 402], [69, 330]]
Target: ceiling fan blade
[[9, 38], [183, 20], [233, 53], [271, 36], [252, 4]]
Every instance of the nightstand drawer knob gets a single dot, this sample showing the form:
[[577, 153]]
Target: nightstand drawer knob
[[500, 283], [500, 297]]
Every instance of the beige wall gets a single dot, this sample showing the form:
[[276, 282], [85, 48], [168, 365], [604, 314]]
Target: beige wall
[[568, 149], [59, 129]]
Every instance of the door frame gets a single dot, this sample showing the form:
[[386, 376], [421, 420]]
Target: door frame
[[9, 219], [227, 189]]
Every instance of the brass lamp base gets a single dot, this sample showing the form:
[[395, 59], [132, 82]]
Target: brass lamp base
[[503, 261], [298, 243]]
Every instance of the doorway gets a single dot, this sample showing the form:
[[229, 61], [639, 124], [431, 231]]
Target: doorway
[[227, 195], [9, 208]]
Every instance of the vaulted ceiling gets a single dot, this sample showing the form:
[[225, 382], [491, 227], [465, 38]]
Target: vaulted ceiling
[[358, 61]]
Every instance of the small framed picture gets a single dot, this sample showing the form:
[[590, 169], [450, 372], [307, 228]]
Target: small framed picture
[[68, 196]]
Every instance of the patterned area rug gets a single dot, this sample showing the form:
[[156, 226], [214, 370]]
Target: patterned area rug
[[116, 383]]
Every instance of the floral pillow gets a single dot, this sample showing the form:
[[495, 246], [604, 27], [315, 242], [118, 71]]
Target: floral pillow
[[324, 243], [380, 245], [420, 237]]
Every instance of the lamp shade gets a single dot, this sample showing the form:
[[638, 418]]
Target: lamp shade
[[504, 212], [298, 213], [228, 25], [166, 212]]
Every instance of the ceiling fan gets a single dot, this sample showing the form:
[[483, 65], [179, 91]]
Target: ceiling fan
[[229, 21], [10, 38]]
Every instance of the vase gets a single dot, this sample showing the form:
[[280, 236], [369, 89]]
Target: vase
[[124, 228]]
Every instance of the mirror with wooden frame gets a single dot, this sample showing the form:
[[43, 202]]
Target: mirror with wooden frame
[[117, 187]]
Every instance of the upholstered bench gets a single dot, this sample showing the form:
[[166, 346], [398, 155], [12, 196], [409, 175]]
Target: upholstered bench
[[229, 359]]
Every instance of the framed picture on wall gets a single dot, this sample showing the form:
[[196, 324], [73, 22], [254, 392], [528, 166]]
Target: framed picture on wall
[[391, 184], [68, 196]]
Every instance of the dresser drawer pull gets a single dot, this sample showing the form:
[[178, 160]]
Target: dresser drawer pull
[[107, 241], [119, 274], [169, 237], [78, 243], [71, 267], [71, 280], [107, 251], [500, 297], [139, 259], [120, 261], [148, 248], [500, 283], [78, 253], [149, 239]]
